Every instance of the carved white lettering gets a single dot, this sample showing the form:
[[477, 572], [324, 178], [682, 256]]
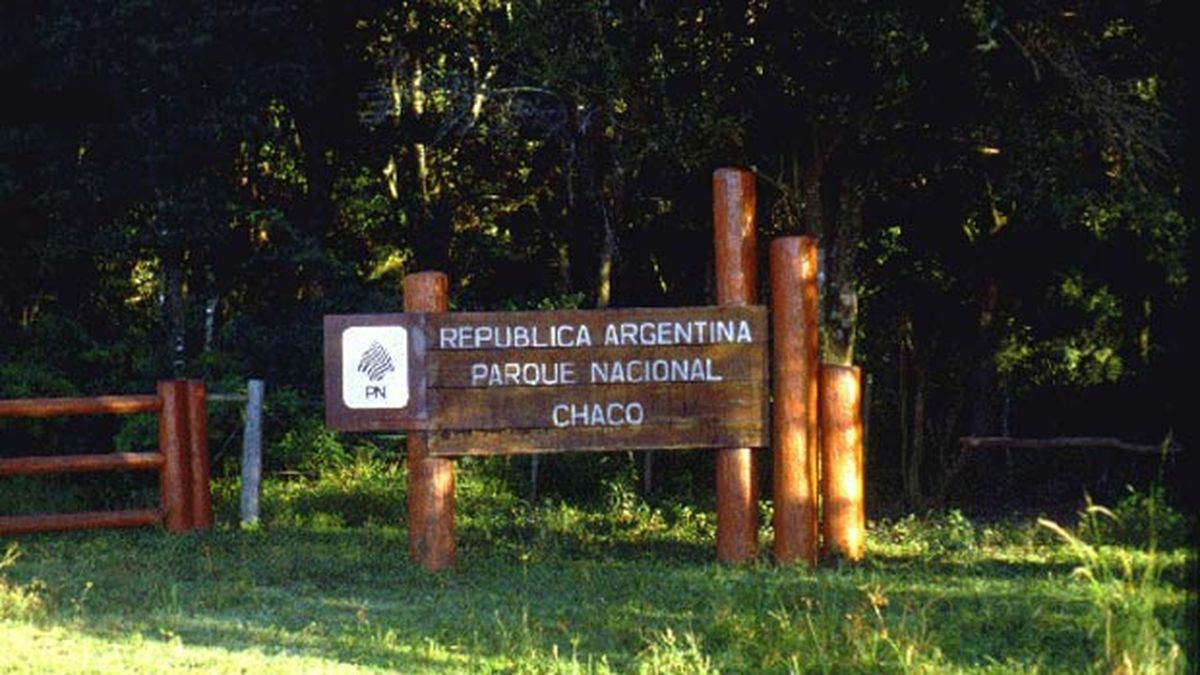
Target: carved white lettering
[[638, 371], [479, 373], [514, 337], [744, 333], [512, 373], [665, 333], [523, 374], [608, 414], [558, 415]]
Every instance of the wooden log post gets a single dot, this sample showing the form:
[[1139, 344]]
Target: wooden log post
[[794, 425], [198, 459], [174, 494], [842, 487], [430, 479], [734, 202]]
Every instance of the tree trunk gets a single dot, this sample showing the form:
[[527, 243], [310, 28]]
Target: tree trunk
[[984, 415], [812, 211], [812, 176], [841, 295], [608, 251], [912, 415], [903, 387], [430, 234], [174, 313], [210, 322], [912, 487], [565, 286]]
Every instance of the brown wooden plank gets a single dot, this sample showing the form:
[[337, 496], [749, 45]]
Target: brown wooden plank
[[736, 353], [734, 403], [530, 441], [117, 461], [650, 327], [49, 522], [541, 367], [96, 405]]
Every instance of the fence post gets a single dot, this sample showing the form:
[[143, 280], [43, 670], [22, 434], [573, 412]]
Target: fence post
[[430, 479], [198, 460], [794, 414], [172, 441], [734, 202], [845, 516], [252, 452]]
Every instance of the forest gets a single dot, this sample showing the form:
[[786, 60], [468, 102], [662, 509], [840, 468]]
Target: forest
[[1001, 192]]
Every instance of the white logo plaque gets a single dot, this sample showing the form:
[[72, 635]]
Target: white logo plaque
[[375, 367]]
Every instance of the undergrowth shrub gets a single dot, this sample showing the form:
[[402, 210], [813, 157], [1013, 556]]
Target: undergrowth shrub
[[307, 446], [1125, 584], [137, 433], [27, 375], [1146, 520], [68, 493], [17, 602], [356, 488], [944, 533], [290, 422]]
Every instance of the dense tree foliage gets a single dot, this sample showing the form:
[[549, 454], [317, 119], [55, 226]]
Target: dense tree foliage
[[185, 188]]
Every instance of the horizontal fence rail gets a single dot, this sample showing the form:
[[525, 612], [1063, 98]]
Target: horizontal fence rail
[[98, 405], [185, 497], [117, 461], [61, 522]]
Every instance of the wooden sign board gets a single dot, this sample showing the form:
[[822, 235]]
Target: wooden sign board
[[519, 382]]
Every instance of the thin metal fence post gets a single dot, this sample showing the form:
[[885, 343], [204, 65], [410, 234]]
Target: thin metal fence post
[[252, 452]]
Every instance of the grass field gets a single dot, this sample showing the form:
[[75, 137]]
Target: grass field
[[324, 585]]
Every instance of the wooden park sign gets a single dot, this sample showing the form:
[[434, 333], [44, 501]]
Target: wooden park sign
[[522, 382], [528, 382]]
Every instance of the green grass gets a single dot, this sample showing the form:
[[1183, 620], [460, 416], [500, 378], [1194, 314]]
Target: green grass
[[324, 585]]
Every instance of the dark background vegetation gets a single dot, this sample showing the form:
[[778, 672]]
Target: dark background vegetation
[[999, 187]]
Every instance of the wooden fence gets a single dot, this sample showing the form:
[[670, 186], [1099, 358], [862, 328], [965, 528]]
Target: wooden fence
[[185, 499]]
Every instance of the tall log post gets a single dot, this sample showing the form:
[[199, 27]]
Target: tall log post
[[794, 421], [174, 495], [734, 202], [198, 460], [430, 479], [842, 485]]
